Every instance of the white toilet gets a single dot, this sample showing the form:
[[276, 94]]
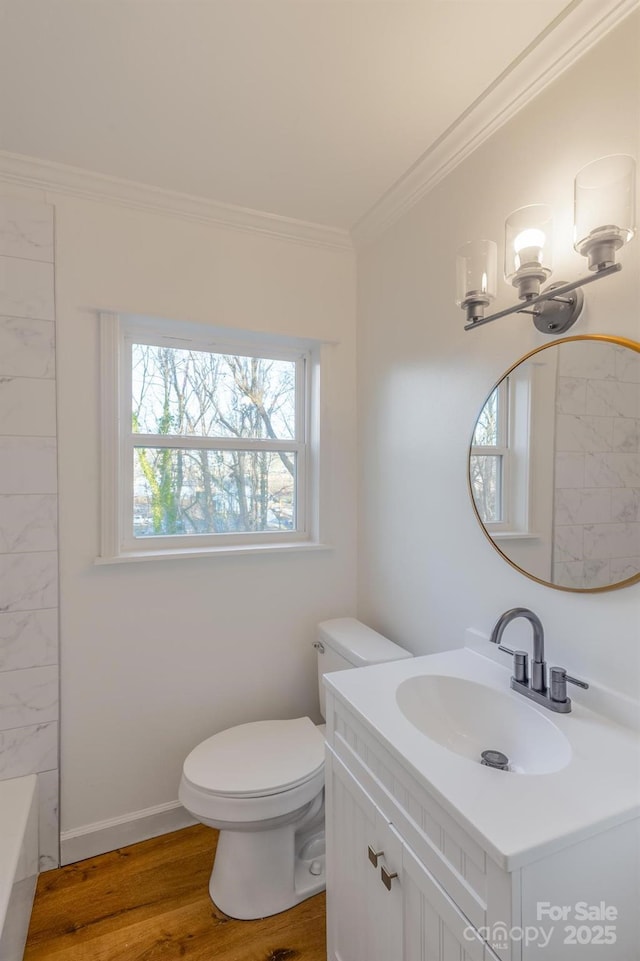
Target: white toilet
[[262, 786]]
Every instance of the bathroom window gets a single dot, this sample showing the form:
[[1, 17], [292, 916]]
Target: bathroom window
[[501, 456], [214, 448], [490, 459]]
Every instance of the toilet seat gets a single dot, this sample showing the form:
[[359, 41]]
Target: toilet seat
[[254, 772], [256, 760]]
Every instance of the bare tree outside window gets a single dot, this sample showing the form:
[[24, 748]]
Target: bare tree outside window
[[485, 462], [196, 398]]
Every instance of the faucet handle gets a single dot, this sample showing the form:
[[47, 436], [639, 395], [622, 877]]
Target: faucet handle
[[558, 683], [520, 662], [578, 682]]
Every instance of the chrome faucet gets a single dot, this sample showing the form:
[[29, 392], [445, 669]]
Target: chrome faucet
[[538, 665], [554, 698]]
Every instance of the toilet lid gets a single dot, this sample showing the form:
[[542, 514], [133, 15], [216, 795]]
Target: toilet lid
[[257, 759]]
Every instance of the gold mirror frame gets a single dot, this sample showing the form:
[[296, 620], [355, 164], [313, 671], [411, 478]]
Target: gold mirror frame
[[618, 341]]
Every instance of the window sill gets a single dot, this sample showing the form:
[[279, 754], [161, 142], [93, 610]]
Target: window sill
[[513, 536], [191, 553]]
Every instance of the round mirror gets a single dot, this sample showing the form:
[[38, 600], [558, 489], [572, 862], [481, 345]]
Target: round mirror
[[554, 464]]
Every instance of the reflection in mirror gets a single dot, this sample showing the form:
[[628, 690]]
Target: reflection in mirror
[[488, 453], [554, 464]]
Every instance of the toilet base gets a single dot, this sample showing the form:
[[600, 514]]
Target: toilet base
[[260, 873]]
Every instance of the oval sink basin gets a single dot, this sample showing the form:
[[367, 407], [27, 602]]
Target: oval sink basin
[[469, 718]]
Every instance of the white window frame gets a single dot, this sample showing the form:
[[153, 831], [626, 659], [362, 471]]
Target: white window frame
[[514, 448], [520, 454], [118, 441], [500, 450]]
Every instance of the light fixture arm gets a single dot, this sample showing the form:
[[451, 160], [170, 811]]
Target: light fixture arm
[[554, 293]]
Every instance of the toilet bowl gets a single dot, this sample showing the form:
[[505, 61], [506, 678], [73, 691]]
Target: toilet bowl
[[262, 786]]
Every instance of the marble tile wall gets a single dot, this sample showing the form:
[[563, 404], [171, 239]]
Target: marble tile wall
[[28, 509], [597, 470]]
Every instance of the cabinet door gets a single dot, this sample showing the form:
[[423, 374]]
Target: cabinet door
[[391, 911], [364, 915], [434, 928]]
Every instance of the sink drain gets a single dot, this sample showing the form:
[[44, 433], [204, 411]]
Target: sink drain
[[495, 759]]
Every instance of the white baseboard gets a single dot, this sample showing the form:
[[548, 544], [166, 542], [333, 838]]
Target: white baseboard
[[102, 836]]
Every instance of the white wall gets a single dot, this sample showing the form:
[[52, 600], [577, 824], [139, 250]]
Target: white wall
[[426, 571], [158, 655]]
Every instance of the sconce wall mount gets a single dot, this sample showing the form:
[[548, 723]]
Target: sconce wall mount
[[560, 312]]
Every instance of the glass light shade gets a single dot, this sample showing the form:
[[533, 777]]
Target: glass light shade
[[605, 207], [476, 273], [527, 249]]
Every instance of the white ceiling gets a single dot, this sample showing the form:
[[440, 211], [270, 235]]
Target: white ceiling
[[308, 109]]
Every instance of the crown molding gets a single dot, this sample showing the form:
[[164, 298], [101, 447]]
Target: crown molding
[[573, 33], [76, 182]]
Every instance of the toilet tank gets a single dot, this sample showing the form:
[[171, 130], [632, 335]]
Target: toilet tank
[[345, 642]]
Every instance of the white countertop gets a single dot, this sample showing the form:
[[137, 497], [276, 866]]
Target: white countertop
[[517, 818]]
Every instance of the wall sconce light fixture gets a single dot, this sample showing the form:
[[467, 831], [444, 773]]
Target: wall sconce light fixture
[[476, 275], [604, 221]]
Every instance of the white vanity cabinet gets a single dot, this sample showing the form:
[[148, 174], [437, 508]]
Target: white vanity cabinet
[[382, 903], [375, 808], [446, 897]]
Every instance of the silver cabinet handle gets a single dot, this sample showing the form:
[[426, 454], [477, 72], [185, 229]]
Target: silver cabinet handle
[[374, 855], [387, 878]]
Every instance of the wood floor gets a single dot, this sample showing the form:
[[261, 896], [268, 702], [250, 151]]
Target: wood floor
[[150, 902]]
